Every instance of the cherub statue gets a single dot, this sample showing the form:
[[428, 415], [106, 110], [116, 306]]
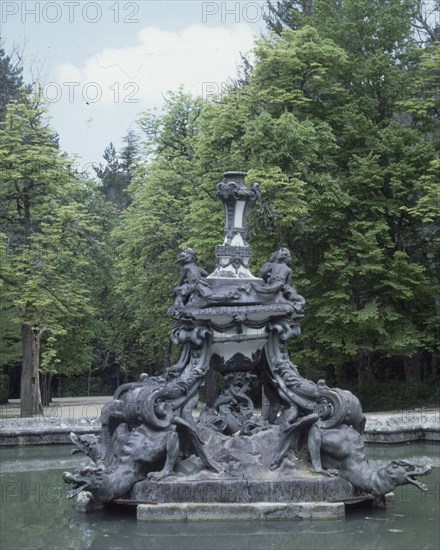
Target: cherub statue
[[277, 276], [193, 281], [192, 278]]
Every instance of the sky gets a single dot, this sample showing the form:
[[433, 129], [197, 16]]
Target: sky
[[100, 64]]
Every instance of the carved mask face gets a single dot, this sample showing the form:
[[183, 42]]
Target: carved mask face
[[324, 407], [160, 408]]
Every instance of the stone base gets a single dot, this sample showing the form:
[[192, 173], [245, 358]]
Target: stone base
[[245, 488], [277, 488], [172, 512]]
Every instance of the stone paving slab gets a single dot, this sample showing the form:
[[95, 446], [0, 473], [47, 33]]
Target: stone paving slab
[[70, 414], [73, 408]]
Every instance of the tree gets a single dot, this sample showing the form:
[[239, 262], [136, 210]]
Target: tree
[[117, 174], [152, 231], [337, 120], [332, 122], [379, 161], [11, 81], [287, 14], [45, 259], [111, 201]]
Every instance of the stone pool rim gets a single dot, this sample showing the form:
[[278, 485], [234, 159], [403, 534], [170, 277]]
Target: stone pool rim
[[382, 427]]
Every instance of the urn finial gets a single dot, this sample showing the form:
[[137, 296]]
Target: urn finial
[[233, 256]]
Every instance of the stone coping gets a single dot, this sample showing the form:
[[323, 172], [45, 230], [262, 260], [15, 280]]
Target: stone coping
[[381, 427], [239, 511], [403, 426]]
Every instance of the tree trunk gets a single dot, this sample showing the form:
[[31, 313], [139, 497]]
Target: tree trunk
[[30, 397], [88, 380], [307, 6], [413, 369], [364, 365], [46, 389]]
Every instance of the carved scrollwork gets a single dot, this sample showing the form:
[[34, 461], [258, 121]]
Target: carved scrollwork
[[187, 331], [232, 187]]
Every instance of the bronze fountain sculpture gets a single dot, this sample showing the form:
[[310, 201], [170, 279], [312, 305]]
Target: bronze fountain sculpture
[[152, 449]]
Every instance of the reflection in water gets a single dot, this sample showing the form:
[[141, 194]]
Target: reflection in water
[[35, 514]]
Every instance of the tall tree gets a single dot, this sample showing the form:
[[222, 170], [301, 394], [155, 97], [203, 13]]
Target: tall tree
[[11, 81], [115, 178], [153, 229], [337, 121], [45, 259], [332, 122], [116, 175]]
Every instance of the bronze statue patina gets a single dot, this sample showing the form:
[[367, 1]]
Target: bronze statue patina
[[233, 327], [193, 285], [335, 446], [277, 276], [142, 437]]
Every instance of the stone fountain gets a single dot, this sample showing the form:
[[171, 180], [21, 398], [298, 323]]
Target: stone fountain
[[303, 457]]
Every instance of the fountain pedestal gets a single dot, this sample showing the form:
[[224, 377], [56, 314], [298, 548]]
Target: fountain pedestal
[[242, 316], [152, 450]]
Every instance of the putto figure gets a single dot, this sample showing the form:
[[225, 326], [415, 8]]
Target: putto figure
[[193, 284], [277, 276], [192, 279]]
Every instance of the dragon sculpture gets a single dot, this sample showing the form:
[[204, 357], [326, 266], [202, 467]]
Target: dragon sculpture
[[334, 441], [142, 437]]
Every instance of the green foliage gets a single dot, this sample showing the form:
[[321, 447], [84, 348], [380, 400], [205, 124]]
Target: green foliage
[[116, 176], [346, 181], [374, 287], [299, 69], [151, 233], [11, 79], [337, 121], [394, 395], [50, 237], [79, 386]]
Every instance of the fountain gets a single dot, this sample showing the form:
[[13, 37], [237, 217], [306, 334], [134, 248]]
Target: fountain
[[302, 458]]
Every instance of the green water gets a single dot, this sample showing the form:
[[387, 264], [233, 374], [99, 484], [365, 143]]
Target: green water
[[34, 514]]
